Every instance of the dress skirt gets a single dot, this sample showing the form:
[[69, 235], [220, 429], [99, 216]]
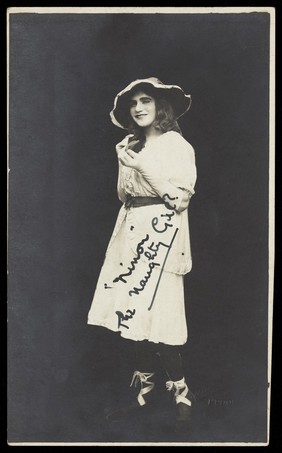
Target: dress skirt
[[135, 294]]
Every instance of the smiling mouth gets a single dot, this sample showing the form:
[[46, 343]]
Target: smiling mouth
[[140, 115]]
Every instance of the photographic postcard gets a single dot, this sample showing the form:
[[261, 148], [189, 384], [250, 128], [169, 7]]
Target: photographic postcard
[[141, 224]]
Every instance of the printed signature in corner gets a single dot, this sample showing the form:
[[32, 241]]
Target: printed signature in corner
[[122, 317]]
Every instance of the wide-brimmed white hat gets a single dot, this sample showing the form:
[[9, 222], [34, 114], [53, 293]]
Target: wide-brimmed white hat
[[179, 101]]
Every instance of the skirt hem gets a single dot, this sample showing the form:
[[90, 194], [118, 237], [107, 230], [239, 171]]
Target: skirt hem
[[135, 337]]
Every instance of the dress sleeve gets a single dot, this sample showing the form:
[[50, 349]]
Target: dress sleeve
[[178, 163]]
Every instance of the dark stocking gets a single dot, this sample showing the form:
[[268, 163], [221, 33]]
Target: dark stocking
[[171, 360], [145, 356]]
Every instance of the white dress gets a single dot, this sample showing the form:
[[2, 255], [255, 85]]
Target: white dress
[[140, 290]]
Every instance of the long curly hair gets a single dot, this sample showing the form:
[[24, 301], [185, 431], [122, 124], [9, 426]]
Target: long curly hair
[[165, 118]]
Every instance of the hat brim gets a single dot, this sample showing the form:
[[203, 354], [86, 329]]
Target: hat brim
[[179, 101]]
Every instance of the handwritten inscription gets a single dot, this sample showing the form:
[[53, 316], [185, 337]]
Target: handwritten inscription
[[154, 248], [149, 250], [122, 317], [133, 263], [168, 216], [107, 287], [150, 254], [166, 197], [144, 281], [162, 269], [156, 220]]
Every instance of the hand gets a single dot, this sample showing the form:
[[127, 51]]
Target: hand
[[120, 148], [131, 159], [123, 144]]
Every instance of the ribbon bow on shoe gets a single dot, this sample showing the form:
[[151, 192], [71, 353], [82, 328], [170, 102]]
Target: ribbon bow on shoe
[[146, 386], [183, 398], [180, 391], [143, 380]]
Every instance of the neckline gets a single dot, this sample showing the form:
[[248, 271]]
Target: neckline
[[152, 141]]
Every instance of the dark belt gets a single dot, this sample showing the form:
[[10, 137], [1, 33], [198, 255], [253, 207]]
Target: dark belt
[[137, 202]]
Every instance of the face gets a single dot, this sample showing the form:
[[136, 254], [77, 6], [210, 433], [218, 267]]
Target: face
[[143, 109]]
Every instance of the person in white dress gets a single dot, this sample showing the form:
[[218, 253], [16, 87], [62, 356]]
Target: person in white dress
[[140, 290]]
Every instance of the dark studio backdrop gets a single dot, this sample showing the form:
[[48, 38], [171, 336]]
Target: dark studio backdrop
[[65, 70]]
